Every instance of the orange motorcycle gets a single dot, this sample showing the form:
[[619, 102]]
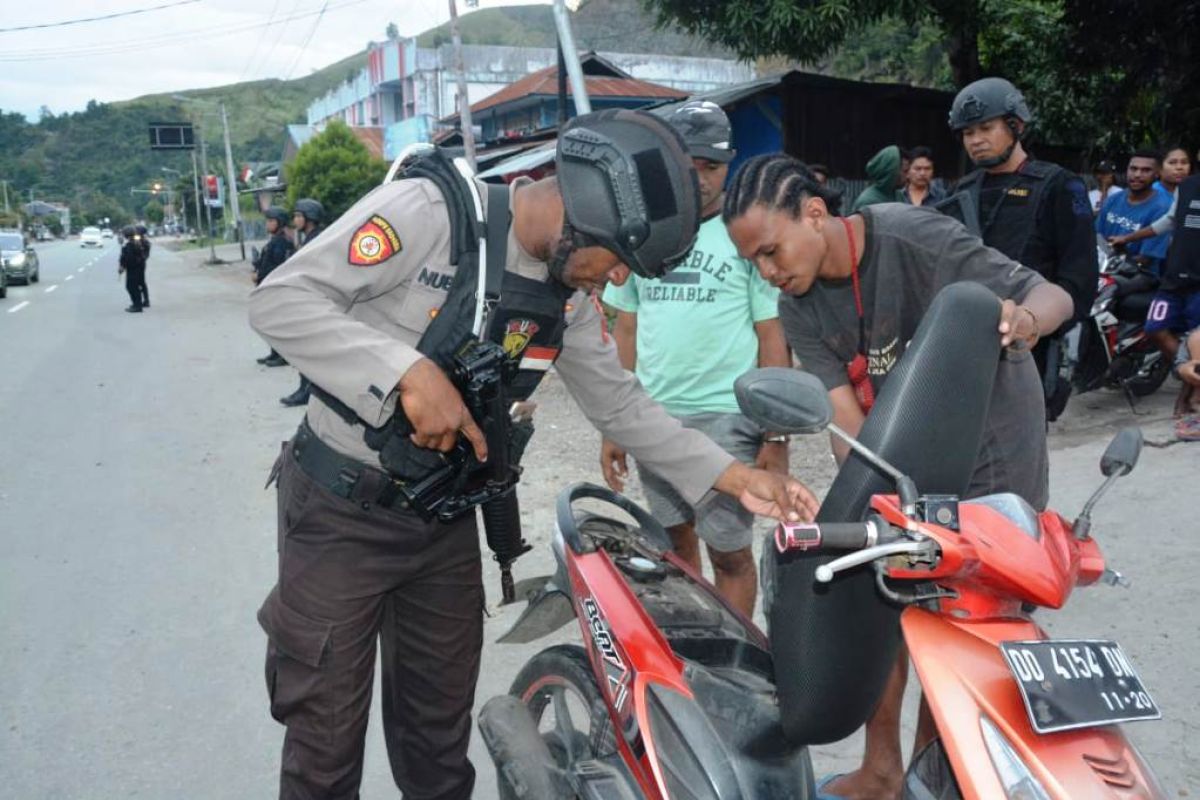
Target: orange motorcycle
[[673, 694]]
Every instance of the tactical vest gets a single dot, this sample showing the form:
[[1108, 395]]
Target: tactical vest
[[521, 325], [965, 206], [1182, 272]]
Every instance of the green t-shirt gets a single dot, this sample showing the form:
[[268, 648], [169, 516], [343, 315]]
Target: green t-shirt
[[695, 332]]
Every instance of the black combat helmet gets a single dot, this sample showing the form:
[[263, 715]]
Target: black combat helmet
[[986, 99], [128, 231], [278, 214], [991, 98], [628, 185], [310, 209]]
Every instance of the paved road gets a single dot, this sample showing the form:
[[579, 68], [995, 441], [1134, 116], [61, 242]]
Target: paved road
[[136, 542]]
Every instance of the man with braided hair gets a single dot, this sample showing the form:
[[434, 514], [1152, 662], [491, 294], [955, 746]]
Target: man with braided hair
[[856, 288]]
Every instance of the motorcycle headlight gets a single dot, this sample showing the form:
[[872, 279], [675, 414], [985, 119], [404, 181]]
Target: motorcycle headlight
[[1018, 782]]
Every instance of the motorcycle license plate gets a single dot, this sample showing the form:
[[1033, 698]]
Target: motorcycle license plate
[[1077, 683]]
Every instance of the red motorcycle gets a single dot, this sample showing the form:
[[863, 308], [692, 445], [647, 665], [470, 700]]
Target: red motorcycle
[[676, 695], [1110, 348]]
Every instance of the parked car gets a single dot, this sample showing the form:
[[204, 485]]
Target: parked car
[[106, 233], [19, 261], [91, 237]]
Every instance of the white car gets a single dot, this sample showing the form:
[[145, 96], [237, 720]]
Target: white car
[[91, 237], [106, 233]]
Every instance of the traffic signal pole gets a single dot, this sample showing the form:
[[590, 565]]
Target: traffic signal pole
[[212, 248]]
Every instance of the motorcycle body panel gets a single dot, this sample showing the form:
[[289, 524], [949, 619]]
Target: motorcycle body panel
[[965, 677], [997, 561], [688, 682]]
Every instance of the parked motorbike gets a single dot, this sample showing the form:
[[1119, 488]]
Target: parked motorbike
[[1110, 348], [674, 694]]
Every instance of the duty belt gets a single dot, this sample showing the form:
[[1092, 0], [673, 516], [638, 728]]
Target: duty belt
[[346, 477]]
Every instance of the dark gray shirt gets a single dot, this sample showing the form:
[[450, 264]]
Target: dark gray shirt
[[911, 253]]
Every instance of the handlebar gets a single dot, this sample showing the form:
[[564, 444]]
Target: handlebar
[[867, 541]]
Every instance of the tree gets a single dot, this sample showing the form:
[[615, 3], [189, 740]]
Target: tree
[[807, 30], [1150, 56], [153, 211], [335, 168]]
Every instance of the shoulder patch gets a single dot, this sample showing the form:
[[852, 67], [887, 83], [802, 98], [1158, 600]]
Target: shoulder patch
[[375, 241]]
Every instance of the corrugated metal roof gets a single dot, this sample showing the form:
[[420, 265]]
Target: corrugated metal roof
[[372, 138], [545, 82]]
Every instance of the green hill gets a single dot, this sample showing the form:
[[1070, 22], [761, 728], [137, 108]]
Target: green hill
[[620, 26], [93, 158]]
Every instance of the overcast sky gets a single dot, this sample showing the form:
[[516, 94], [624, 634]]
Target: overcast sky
[[189, 45]]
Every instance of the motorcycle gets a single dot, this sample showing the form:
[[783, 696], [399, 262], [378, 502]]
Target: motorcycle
[[674, 694], [1110, 348]]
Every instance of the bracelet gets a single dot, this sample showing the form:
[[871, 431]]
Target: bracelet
[[777, 438], [1037, 327]]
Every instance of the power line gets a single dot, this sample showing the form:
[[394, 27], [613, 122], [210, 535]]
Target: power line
[[98, 19], [149, 43], [255, 51], [265, 64], [304, 46]]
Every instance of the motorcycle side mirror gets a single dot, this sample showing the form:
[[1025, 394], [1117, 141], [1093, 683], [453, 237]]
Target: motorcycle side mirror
[[1121, 455], [783, 400]]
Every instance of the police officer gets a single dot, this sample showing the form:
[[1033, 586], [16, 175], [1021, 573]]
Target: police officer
[[143, 237], [354, 563], [307, 218], [1033, 211], [277, 250], [132, 263]]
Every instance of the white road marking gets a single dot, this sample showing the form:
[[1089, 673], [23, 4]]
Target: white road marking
[[50, 289], [18, 306], [81, 269], [70, 278]]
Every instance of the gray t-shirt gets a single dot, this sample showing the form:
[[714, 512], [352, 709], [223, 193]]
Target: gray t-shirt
[[911, 253]]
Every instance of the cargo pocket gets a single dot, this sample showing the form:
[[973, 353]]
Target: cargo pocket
[[298, 682]]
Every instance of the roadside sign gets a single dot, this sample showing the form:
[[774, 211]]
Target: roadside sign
[[171, 136]]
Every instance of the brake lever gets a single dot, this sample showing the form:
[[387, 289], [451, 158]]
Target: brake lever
[[825, 572]]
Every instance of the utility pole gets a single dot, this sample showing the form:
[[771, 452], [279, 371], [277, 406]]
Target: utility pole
[[4, 183], [212, 249], [566, 40], [562, 87], [196, 188], [464, 104], [233, 196]]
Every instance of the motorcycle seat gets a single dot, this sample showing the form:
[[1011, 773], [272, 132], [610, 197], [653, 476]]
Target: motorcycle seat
[[1134, 307]]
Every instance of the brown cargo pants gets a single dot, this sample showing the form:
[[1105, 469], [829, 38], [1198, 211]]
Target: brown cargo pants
[[350, 572]]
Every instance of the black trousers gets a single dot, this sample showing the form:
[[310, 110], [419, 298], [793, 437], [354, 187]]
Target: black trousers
[[135, 284], [350, 574]]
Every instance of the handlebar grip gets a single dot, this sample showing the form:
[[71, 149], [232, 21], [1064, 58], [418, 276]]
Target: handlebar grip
[[829, 535]]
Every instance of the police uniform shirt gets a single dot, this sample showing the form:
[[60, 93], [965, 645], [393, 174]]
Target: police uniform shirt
[[349, 308]]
